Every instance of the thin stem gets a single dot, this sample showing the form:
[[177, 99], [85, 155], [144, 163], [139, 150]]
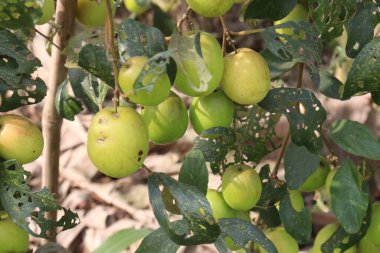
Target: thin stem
[[185, 16], [48, 39], [110, 41], [226, 33], [146, 168], [247, 32]]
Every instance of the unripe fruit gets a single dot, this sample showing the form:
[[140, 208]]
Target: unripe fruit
[[128, 75], [12, 238], [117, 142], [214, 110], [373, 232], [210, 8], [366, 246], [241, 187], [167, 121], [20, 139], [296, 200], [298, 13], [213, 58], [283, 242], [317, 179], [92, 14], [329, 179], [246, 78], [134, 7], [47, 12]]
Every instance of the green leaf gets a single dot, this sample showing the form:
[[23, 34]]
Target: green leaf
[[299, 164], [270, 216], [355, 138], [137, 39], [157, 242], [51, 247], [121, 240], [269, 9], [305, 127], [364, 74], [194, 171], [66, 105], [20, 14], [327, 83], [348, 202], [25, 206], [198, 225], [242, 232], [17, 63], [277, 66], [360, 27], [330, 20], [376, 97], [297, 224], [94, 59]]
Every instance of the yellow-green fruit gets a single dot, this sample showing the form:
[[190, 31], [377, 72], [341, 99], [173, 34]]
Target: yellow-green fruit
[[366, 246], [373, 232], [214, 110], [298, 13], [20, 139], [210, 8], [241, 187], [134, 7], [47, 12], [296, 200], [329, 179], [128, 75], [12, 238], [167, 121], [213, 58], [317, 179], [92, 14], [118, 142], [246, 78], [323, 235], [283, 242]]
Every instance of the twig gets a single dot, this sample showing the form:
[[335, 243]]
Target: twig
[[184, 18], [48, 39], [247, 32], [227, 36], [146, 168]]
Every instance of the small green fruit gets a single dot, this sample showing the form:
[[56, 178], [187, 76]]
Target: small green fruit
[[214, 110], [373, 232], [117, 142], [20, 139], [210, 8], [298, 13], [366, 246], [329, 179], [128, 75], [47, 12], [317, 179], [283, 242], [92, 14], [241, 187], [134, 7], [12, 238], [296, 200], [167, 121]]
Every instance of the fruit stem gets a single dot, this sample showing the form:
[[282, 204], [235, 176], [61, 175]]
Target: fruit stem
[[185, 16], [246, 32], [48, 39], [110, 42], [226, 36]]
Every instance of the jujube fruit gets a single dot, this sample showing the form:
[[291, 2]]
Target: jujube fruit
[[134, 7], [12, 238], [47, 12], [283, 241], [92, 14], [210, 8]]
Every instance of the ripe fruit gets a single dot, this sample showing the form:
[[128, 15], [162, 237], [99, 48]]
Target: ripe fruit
[[128, 75], [12, 238], [317, 179], [92, 14], [373, 231], [135, 7], [323, 235], [167, 121], [246, 78], [299, 13], [47, 12], [213, 58], [210, 8], [283, 242], [20, 139], [241, 187], [214, 110], [117, 142]]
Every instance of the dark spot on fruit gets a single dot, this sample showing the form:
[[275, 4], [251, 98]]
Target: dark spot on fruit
[[140, 153], [34, 151], [100, 121], [101, 140], [139, 159]]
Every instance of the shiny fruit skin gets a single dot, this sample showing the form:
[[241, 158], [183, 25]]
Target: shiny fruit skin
[[373, 232], [213, 58], [20, 139], [47, 12], [298, 13], [210, 8], [241, 187], [92, 14], [317, 179], [214, 110], [12, 238], [117, 142], [246, 78], [167, 121], [128, 74], [283, 242], [134, 7]]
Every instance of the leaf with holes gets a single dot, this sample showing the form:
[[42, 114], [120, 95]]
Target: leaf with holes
[[256, 132], [305, 125], [137, 39], [17, 63], [364, 75], [360, 27], [215, 143], [21, 203], [348, 202], [20, 14], [66, 105], [198, 225], [277, 66], [272, 9], [329, 20], [158, 237], [299, 164]]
